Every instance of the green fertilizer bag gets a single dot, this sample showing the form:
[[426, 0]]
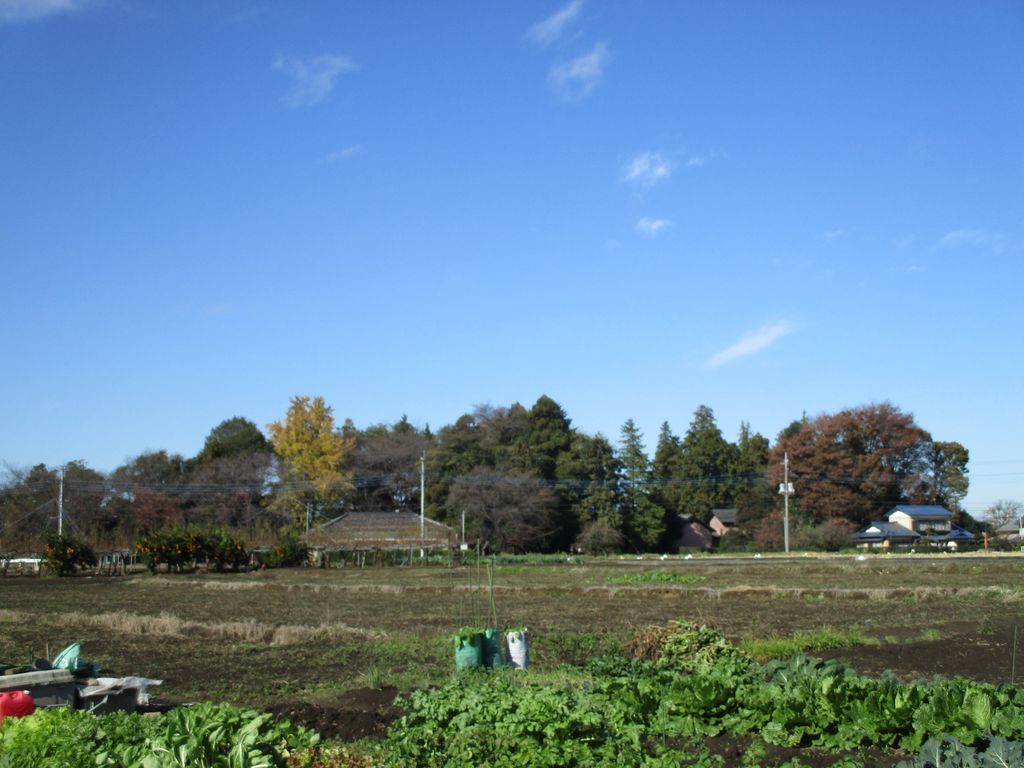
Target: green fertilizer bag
[[491, 650], [468, 650]]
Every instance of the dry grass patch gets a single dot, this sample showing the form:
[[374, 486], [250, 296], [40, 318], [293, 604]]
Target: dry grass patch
[[249, 631]]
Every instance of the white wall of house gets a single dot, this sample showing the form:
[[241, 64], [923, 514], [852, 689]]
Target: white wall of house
[[921, 524]]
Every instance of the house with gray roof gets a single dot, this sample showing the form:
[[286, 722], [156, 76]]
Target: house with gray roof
[[912, 524]]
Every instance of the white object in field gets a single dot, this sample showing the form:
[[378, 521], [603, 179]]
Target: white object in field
[[518, 648], [109, 686]]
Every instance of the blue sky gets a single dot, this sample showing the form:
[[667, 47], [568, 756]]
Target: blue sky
[[633, 207]]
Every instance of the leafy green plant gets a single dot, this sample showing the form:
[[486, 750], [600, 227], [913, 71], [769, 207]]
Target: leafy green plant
[[688, 647], [947, 752], [289, 551], [618, 709], [203, 736], [328, 757], [467, 636]]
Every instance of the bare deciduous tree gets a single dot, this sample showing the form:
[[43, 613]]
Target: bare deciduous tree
[[1004, 511], [506, 512]]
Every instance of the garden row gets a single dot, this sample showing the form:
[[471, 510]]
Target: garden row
[[678, 687], [658, 712]]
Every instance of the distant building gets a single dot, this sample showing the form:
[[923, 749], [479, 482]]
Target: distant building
[[922, 518], [380, 530], [911, 524], [694, 534], [722, 521], [1009, 532]]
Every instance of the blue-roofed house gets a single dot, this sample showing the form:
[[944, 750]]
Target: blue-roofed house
[[882, 533], [909, 524]]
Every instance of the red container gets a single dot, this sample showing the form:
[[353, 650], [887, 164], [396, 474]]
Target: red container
[[16, 704]]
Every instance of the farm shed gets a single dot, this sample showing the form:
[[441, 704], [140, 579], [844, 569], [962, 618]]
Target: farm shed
[[722, 521], [363, 531], [693, 534]]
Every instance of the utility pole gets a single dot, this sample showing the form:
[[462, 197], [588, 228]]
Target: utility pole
[[423, 498], [786, 489], [60, 505]]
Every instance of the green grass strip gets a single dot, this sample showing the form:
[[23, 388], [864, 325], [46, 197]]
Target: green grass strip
[[783, 647], [657, 577]]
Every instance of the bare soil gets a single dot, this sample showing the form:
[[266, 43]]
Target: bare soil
[[362, 713], [944, 616], [975, 657], [733, 749]]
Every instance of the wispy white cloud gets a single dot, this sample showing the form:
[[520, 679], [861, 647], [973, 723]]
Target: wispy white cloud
[[649, 227], [647, 169], [752, 343], [834, 234], [700, 159], [581, 75], [12, 11], [547, 31], [312, 78], [345, 153], [974, 238]]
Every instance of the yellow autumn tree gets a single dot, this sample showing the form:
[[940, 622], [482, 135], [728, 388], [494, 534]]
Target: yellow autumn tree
[[313, 455]]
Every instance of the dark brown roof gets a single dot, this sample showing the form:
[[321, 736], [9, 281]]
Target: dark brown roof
[[380, 530]]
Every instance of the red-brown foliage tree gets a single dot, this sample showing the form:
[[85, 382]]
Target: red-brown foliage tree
[[856, 464]]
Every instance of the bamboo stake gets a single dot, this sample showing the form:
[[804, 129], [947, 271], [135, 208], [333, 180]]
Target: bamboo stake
[[490, 594], [1013, 656]]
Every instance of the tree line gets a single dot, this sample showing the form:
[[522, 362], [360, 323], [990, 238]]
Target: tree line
[[519, 479]]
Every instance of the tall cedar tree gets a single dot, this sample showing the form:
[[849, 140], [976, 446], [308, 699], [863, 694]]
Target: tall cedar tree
[[667, 470], [549, 441], [550, 436], [589, 477], [754, 499], [643, 520], [706, 466]]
